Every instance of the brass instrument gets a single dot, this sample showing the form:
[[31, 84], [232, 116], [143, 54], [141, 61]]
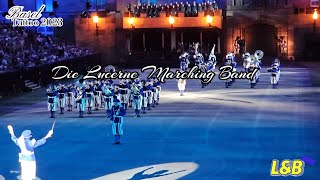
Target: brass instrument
[[116, 88], [135, 89], [79, 97], [213, 48], [107, 92], [196, 47], [110, 69], [122, 82], [258, 55]]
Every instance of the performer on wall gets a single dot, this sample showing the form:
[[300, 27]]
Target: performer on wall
[[236, 46], [184, 61], [283, 49], [117, 114], [26, 156], [246, 60]]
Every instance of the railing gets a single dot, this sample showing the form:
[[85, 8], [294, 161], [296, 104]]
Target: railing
[[179, 22]]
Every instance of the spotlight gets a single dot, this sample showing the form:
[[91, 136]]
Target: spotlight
[[171, 21], [209, 20]]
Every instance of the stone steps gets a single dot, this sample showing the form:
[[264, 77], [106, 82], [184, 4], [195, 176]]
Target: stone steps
[[31, 85]]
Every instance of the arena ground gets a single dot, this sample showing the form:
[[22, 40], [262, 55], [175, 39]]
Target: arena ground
[[210, 133]]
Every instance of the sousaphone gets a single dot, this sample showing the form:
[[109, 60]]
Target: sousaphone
[[110, 69], [258, 55]]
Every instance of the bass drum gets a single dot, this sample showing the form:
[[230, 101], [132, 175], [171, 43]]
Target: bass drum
[[110, 69]]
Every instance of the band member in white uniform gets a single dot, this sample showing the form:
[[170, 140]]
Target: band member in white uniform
[[70, 96], [150, 94], [52, 100], [81, 102], [128, 92], [27, 146], [117, 114], [108, 94], [97, 94], [80, 85], [123, 90], [275, 73], [182, 86], [228, 63], [89, 97], [157, 87], [62, 98], [137, 93], [144, 97], [251, 67]]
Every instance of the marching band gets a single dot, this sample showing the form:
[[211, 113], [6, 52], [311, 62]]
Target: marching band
[[141, 95], [251, 63], [83, 94]]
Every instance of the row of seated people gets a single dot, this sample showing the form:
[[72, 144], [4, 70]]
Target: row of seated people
[[172, 9], [21, 49]]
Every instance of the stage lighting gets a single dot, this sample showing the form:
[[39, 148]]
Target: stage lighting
[[315, 17], [131, 22], [171, 21], [209, 20], [95, 19]]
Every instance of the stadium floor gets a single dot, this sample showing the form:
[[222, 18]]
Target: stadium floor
[[210, 133]]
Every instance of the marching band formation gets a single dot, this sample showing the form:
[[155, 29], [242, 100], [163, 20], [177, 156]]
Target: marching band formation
[[114, 98], [251, 63], [204, 66], [141, 95]]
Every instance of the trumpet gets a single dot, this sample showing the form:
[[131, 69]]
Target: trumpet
[[79, 97]]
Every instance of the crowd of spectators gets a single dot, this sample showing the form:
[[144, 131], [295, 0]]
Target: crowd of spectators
[[172, 9], [21, 49]]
